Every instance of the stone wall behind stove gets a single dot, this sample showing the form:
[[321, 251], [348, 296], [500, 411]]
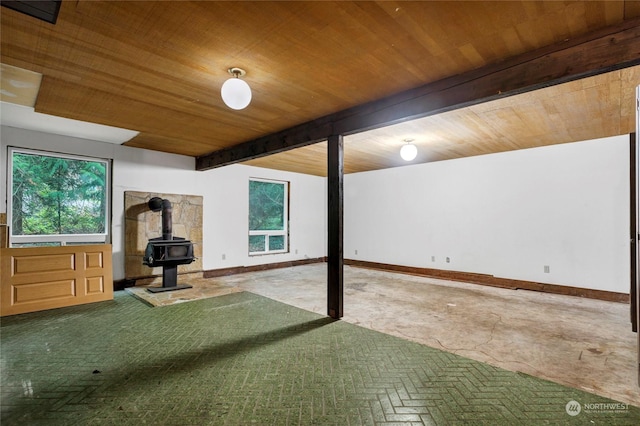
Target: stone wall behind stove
[[142, 224]]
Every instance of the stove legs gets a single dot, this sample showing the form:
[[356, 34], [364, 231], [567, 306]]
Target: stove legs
[[169, 280]]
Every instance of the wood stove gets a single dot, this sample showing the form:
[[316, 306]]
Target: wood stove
[[167, 251]]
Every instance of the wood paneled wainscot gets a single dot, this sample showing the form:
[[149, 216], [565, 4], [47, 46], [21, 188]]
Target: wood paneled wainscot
[[39, 278]]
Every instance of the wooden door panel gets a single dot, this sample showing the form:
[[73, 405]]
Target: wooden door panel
[[41, 291], [39, 278], [28, 265]]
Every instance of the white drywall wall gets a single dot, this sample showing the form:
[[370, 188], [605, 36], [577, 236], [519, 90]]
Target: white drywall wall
[[227, 234], [508, 214], [224, 191]]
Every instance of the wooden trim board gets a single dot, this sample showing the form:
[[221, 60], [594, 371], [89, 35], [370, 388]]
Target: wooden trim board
[[468, 277], [493, 281], [212, 273]]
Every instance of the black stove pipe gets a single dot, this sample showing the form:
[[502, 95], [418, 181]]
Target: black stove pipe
[[157, 204]]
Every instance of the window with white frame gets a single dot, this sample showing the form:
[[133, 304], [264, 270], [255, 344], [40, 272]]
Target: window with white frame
[[57, 199], [268, 216]]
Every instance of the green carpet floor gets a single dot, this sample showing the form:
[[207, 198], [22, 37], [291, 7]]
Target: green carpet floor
[[245, 359]]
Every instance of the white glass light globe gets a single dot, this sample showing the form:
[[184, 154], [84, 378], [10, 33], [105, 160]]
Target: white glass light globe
[[408, 152], [236, 93]]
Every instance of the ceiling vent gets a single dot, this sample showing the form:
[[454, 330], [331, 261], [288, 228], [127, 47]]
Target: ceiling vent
[[47, 10]]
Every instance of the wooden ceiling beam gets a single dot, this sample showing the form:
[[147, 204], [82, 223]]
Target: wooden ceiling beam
[[598, 52]]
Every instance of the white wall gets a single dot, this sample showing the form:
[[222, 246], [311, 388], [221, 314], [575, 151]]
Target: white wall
[[227, 230], [224, 191], [508, 215]]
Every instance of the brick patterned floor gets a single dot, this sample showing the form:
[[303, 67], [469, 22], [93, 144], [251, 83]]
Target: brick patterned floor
[[242, 359]]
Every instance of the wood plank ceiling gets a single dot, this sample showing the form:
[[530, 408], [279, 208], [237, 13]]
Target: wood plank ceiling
[[156, 67]]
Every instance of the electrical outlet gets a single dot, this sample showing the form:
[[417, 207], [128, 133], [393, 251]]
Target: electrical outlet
[[433, 258], [546, 269], [224, 256], [356, 251], [448, 260]]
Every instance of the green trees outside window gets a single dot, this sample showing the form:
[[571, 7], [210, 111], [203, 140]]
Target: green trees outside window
[[57, 199], [268, 216]]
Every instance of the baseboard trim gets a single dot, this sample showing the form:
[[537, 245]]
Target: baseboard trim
[[468, 277], [493, 281], [123, 283], [212, 273]]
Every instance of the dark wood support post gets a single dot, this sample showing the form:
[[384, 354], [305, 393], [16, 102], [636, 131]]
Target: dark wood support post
[[335, 178], [633, 232]]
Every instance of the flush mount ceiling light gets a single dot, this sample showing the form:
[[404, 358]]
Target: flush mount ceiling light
[[408, 151], [236, 93]]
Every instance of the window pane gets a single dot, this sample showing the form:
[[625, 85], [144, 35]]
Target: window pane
[[57, 195], [256, 243], [266, 206], [52, 244], [276, 242]]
